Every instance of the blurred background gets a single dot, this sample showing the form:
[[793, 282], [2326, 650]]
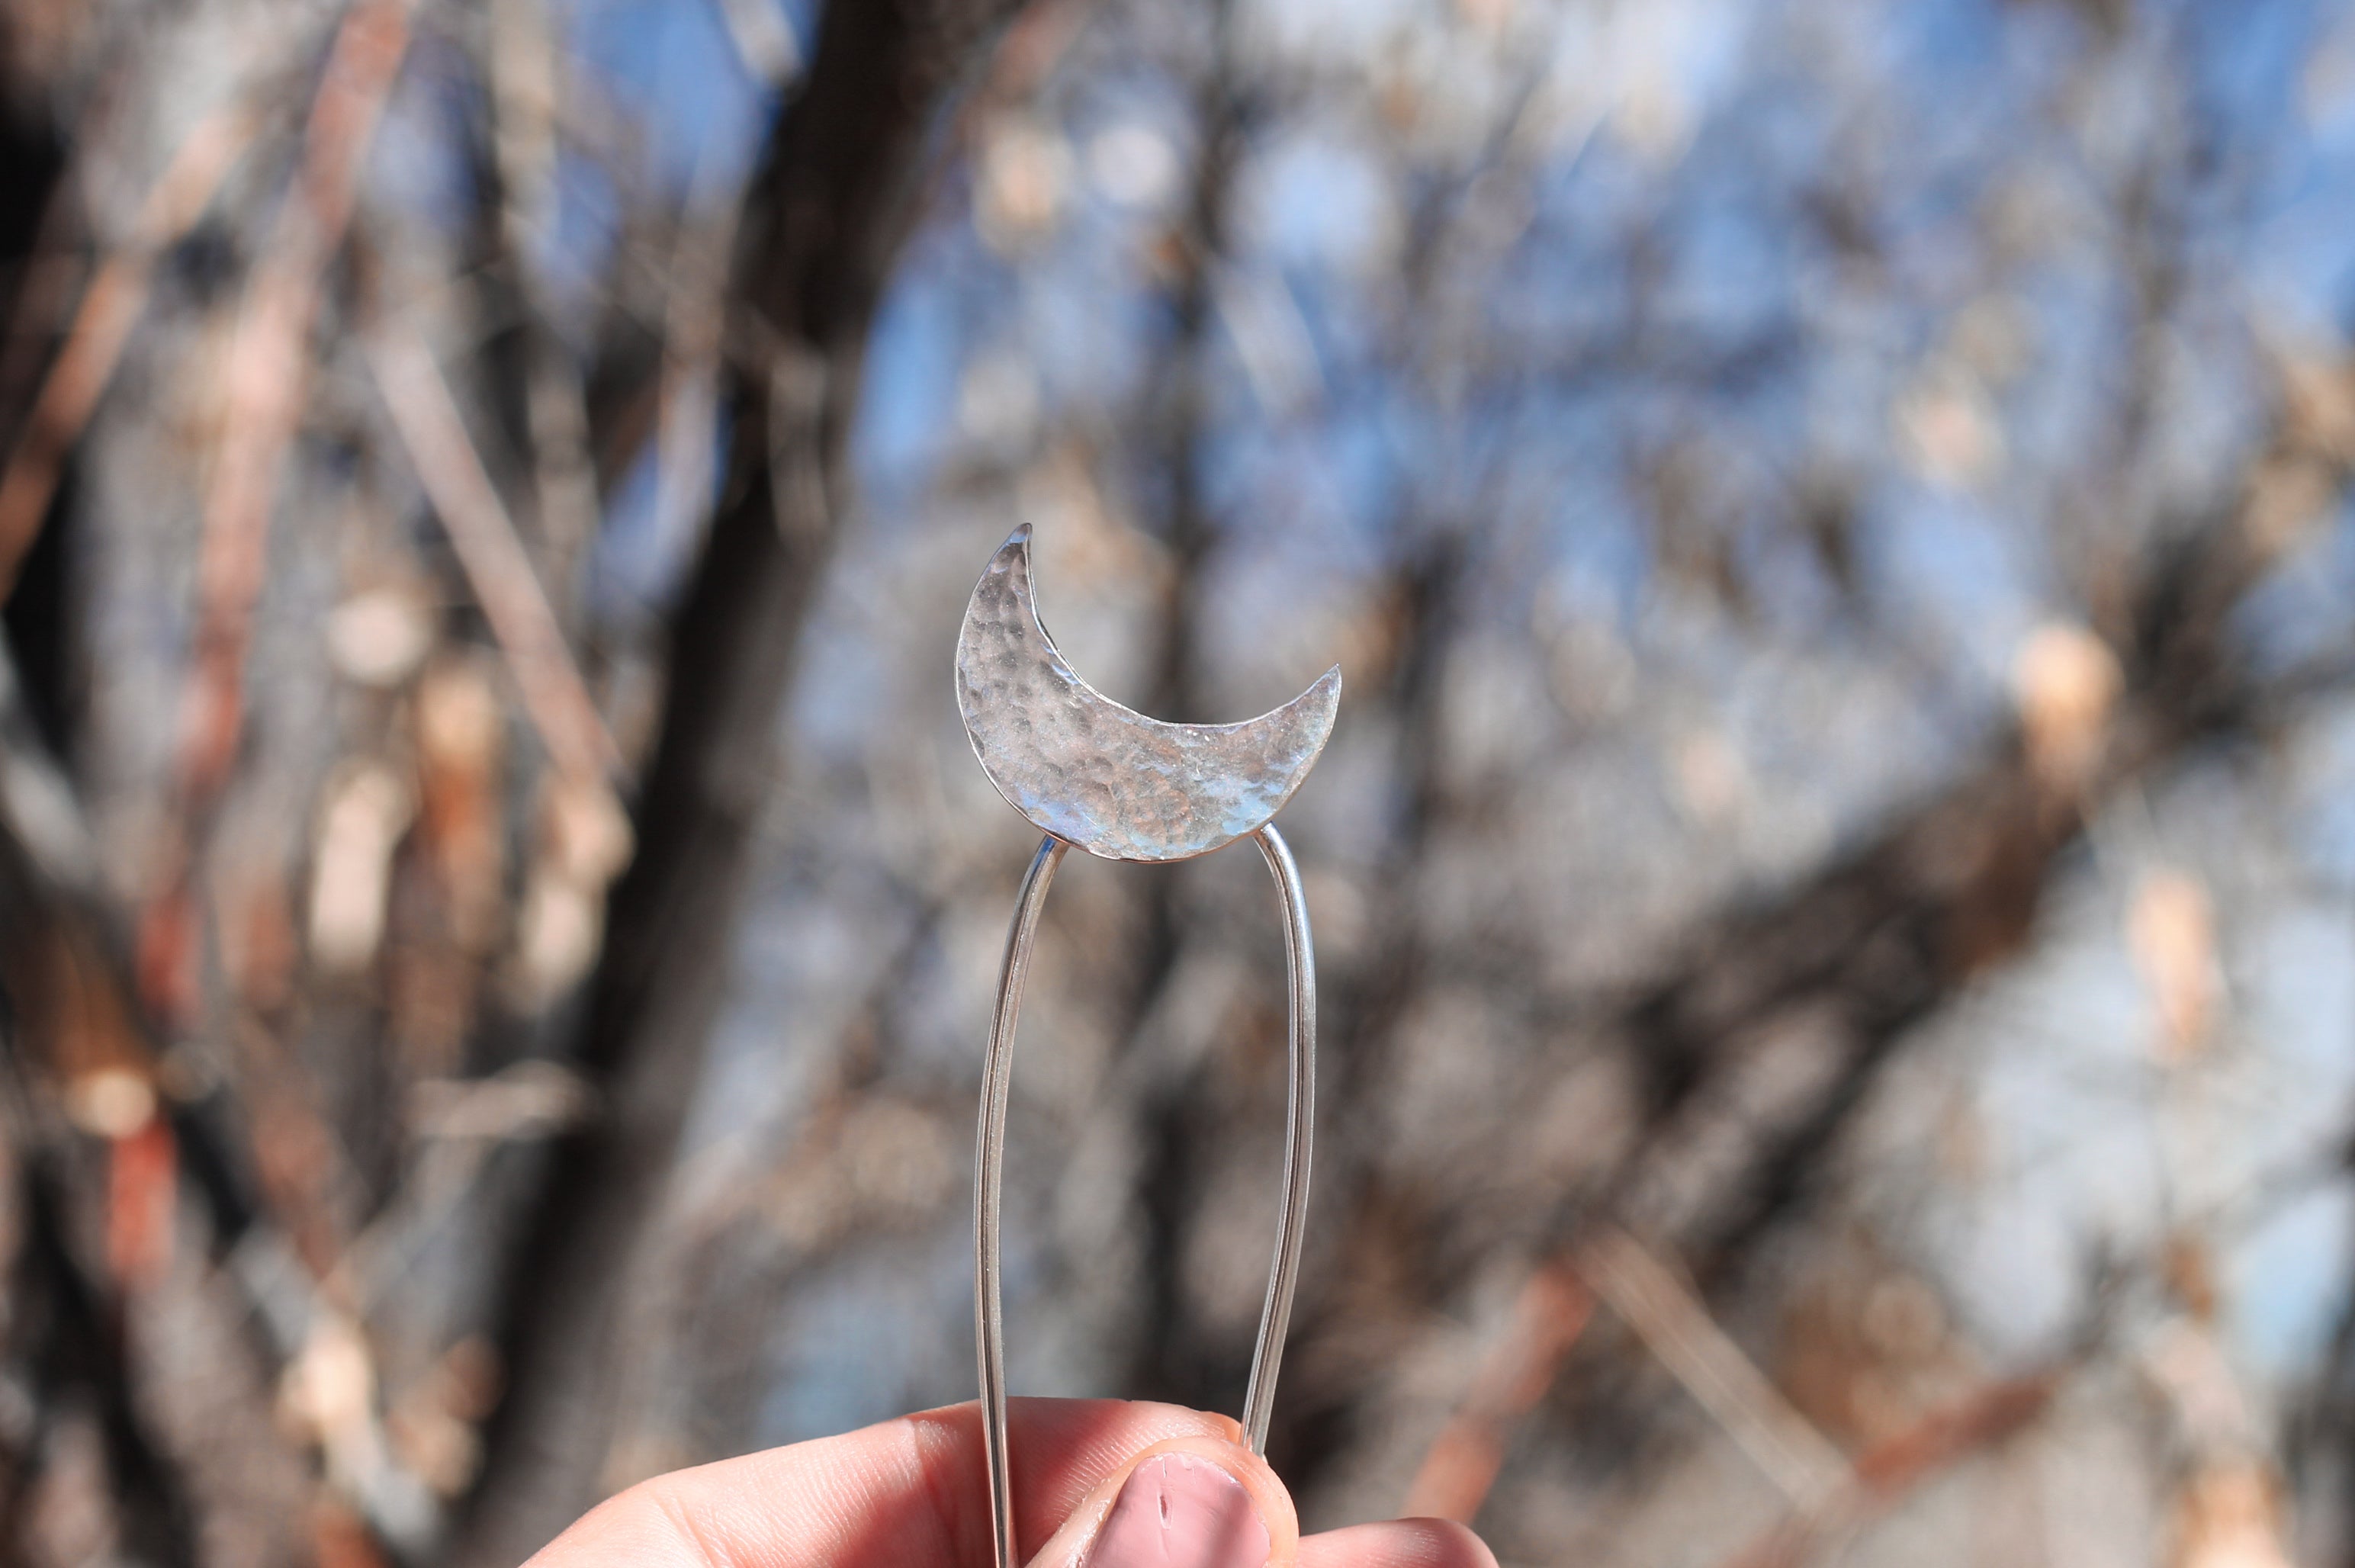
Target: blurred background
[[1834, 879]]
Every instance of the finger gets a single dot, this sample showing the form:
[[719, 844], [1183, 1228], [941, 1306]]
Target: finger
[[913, 1490], [1189, 1502], [1401, 1544]]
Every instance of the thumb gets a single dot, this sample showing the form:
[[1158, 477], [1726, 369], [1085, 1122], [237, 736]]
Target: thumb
[[1186, 1503]]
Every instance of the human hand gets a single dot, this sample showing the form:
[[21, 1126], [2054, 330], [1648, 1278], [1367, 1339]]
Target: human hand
[[1097, 1484]]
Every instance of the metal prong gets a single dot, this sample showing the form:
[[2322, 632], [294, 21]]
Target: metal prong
[[1300, 1131], [988, 1175], [989, 1164]]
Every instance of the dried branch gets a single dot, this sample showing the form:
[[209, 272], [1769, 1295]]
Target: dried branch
[[830, 208], [1463, 1462], [79, 1035], [1849, 961], [494, 559], [65, 1326], [1668, 1318], [102, 325], [265, 375], [763, 39], [528, 84], [1885, 1473]]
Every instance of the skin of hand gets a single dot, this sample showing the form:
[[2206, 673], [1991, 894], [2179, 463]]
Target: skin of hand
[[1097, 1484]]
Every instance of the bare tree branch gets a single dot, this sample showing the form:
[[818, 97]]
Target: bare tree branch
[[494, 559], [265, 373], [830, 208], [102, 325]]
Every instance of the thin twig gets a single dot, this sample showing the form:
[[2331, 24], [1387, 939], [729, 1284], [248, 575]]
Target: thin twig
[[112, 303], [85, 1020], [1670, 1319], [529, 84], [1460, 1467], [1889, 1471], [264, 377], [687, 426], [853, 144], [763, 39], [493, 557]]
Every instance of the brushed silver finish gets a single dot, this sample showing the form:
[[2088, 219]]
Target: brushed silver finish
[[1105, 778]]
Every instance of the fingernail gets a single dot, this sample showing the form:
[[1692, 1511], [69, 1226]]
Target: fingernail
[[1181, 1511]]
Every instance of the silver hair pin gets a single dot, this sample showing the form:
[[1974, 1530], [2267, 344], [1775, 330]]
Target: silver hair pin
[[1089, 772]]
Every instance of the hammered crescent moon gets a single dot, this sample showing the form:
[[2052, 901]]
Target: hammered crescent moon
[[1107, 778]]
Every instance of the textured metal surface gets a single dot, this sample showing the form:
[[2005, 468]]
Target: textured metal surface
[[990, 1169], [1103, 777]]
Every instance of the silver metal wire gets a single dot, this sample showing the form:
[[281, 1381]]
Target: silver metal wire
[[988, 1181], [1299, 1137], [989, 1165]]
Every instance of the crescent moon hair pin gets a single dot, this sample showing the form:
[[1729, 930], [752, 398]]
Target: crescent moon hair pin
[[1089, 772]]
